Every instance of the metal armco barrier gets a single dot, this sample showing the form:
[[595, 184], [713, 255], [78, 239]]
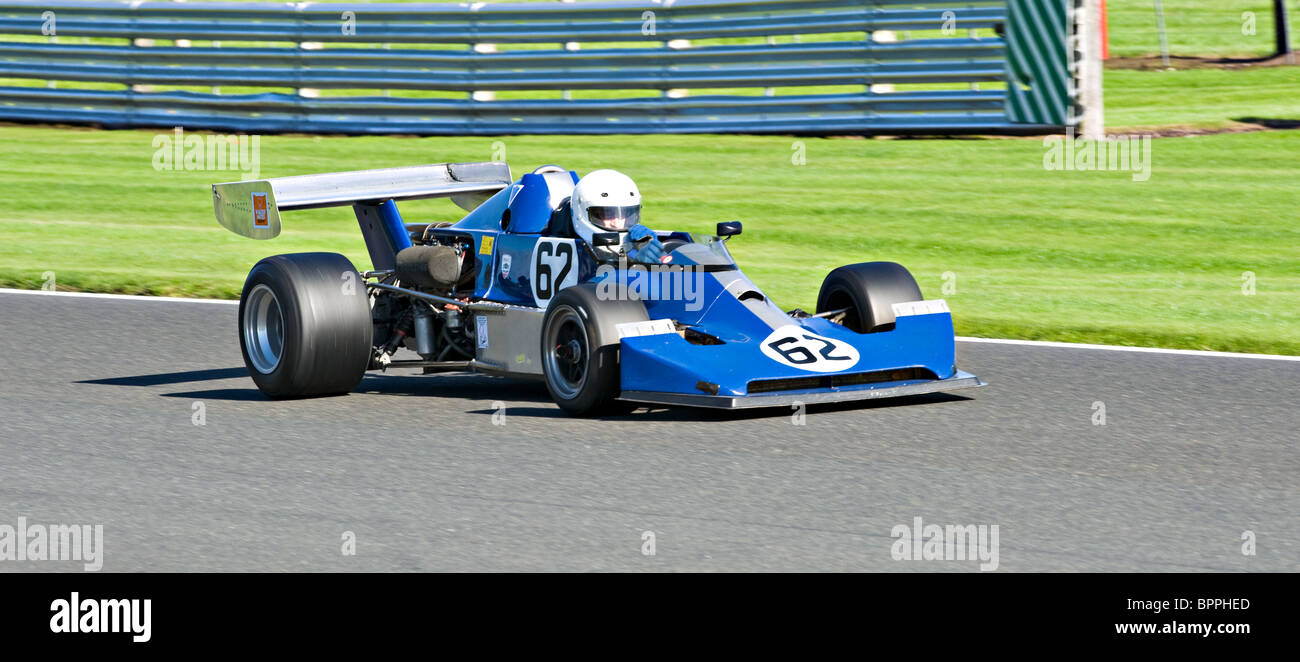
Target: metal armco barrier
[[629, 66]]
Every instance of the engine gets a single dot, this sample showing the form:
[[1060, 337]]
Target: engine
[[441, 264]]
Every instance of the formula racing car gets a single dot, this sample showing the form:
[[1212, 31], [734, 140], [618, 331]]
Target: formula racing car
[[555, 277]]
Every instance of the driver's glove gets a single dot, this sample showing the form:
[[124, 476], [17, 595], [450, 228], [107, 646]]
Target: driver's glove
[[646, 246]]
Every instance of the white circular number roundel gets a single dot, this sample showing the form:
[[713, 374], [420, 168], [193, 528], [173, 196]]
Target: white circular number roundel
[[554, 267], [805, 350]]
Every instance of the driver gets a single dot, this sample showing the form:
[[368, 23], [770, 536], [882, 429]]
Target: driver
[[608, 201]]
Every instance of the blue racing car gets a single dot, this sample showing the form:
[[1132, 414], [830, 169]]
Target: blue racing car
[[555, 277]]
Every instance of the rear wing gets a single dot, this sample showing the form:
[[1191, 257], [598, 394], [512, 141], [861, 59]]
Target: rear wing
[[252, 208]]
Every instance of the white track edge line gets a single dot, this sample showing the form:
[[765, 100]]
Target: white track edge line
[[127, 297], [1121, 348], [992, 341]]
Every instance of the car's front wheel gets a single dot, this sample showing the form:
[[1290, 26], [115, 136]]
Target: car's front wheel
[[866, 293], [304, 325], [580, 350]]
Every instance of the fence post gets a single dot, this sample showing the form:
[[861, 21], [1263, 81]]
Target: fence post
[[569, 46], [881, 37], [141, 43], [216, 89], [54, 39], [308, 92], [475, 50], [1090, 72], [770, 91], [675, 45], [1160, 28], [1282, 31]]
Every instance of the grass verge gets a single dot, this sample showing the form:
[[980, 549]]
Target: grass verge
[[1032, 253]]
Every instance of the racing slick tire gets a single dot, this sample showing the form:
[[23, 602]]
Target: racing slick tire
[[580, 350], [304, 325], [868, 290]]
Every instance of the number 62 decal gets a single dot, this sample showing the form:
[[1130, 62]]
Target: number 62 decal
[[800, 348], [554, 267]]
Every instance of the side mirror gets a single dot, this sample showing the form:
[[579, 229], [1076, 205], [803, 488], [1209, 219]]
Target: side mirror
[[605, 239], [729, 228]]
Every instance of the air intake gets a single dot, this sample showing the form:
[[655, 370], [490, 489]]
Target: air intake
[[834, 381]]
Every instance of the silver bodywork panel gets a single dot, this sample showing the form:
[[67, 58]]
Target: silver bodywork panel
[[512, 343], [252, 208], [737, 284]]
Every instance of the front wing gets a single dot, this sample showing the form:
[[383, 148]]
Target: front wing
[[917, 356]]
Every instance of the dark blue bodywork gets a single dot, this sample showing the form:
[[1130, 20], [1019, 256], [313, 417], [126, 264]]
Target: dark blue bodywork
[[753, 352]]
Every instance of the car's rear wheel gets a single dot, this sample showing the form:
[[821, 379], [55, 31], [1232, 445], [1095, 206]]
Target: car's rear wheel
[[304, 325], [867, 292], [580, 350]]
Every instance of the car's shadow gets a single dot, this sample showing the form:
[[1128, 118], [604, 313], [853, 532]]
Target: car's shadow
[[1270, 122], [459, 385], [509, 392], [171, 377], [186, 377]]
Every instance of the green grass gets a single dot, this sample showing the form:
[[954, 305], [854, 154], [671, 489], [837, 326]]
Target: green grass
[[1194, 27], [1200, 98], [1075, 256]]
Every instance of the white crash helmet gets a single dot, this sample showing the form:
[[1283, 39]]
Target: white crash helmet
[[605, 201]]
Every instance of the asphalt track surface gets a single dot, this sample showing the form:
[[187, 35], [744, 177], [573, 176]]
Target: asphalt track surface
[[97, 402]]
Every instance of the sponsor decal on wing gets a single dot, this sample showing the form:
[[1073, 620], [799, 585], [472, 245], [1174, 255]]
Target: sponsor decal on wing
[[260, 218]]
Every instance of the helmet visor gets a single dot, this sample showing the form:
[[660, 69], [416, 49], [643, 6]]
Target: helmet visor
[[615, 218]]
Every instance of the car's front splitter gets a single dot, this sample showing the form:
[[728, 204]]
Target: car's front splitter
[[843, 394]]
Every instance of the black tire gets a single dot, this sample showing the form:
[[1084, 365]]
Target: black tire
[[300, 333], [869, 290], [580, 350]]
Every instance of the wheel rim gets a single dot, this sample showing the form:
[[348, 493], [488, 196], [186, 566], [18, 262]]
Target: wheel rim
[[263, 329], [567, 353]]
